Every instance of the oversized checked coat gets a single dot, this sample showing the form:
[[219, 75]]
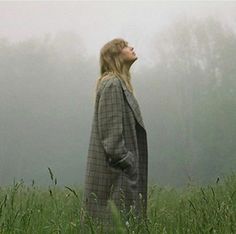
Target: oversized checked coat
[[117, 163]]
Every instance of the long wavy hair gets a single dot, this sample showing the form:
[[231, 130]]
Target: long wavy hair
[[111, 62]]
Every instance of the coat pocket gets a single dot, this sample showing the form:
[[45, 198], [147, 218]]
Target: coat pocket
[[127, 161], [132, 168]]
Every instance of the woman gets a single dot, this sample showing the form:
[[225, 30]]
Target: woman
[[117, 163]]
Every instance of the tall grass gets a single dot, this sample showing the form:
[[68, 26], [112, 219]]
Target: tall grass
[[193, 209]]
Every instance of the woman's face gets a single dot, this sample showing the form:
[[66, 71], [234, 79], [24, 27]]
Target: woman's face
[[128, 54]]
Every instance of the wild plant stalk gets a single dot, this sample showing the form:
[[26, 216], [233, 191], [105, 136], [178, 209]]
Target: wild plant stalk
[[194, 209]]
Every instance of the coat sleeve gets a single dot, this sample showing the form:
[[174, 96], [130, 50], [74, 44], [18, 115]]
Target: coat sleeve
[[110, 125]]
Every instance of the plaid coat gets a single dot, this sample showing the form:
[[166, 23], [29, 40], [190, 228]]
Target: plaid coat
[[117, 162]]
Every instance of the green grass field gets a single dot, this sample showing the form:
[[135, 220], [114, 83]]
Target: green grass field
[[33, 209]]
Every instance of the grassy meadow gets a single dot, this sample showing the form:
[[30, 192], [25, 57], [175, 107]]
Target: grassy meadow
[[54, 209]]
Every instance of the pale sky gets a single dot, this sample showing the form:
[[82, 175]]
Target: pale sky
[[96, 22]]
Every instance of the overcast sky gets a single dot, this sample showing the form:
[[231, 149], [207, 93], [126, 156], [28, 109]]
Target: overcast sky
[[96, 22]]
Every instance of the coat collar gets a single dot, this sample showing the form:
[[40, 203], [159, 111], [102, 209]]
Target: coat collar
[[133, 104]]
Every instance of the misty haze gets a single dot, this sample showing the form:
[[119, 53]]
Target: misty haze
[[184, 80]]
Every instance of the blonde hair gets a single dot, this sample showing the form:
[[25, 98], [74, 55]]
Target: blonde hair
[[111, 62]]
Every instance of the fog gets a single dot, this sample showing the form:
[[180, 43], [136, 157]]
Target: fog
[[184, 81]]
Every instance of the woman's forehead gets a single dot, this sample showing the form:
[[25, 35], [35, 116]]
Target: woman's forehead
[[128, 44]]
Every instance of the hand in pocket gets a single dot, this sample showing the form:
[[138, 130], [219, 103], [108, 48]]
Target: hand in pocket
[[130, 170]]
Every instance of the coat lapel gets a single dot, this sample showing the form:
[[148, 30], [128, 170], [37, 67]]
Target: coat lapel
[[133, 104]]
